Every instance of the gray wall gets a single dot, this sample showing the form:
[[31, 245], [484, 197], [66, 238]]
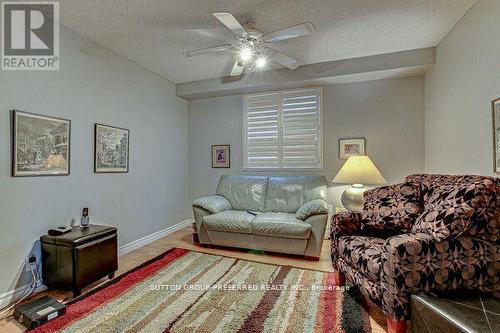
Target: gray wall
[[93, 85], [389, 113], [459, 91]]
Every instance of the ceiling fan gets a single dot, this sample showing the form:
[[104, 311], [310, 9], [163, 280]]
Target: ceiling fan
[[252, 44]]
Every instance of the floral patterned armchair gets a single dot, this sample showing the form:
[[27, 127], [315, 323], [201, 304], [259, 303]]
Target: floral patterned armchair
[[431, 233]]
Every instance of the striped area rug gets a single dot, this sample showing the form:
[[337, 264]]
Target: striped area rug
[[186, 291]]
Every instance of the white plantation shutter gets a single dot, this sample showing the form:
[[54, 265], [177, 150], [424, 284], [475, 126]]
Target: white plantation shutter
[[301, 129], [282, 130], [262, 126]]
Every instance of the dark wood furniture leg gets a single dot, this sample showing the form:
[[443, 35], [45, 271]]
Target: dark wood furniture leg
[[396, 326], [339, 278]]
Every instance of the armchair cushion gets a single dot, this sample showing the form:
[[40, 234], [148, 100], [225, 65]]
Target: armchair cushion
[[445, 220], [364, 254], [214, 204], [391, 208], [310, 208], [479, 192], [458, 207]]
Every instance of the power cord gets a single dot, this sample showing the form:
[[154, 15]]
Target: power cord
[[30, 288]]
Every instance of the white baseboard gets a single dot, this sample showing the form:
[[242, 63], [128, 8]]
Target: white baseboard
[[13, 295], [124, 249]]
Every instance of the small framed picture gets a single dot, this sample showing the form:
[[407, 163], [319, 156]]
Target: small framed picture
[[40, 145], [351, 147], [496, 134], [221, 156], [111, 149]]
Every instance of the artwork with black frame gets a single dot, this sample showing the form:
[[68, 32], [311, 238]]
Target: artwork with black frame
[[221, 156], [111, 149], [351, 147], [40, 145]]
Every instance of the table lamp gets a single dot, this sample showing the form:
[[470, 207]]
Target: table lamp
[[357, 171]]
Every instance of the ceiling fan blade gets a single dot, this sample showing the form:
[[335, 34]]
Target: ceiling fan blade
[[283, 59], [237, 69], [219, 48], [290, 32], [230, 22]]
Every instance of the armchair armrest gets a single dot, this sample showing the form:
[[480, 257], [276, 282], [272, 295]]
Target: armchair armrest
[[345, 223], [213, 204], [417, 262], [310, 208], [342, 224]]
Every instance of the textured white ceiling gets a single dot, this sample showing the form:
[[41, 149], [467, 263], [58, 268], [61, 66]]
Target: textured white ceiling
[[154, 33]]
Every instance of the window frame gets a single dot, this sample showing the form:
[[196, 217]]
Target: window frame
[[244, 156]]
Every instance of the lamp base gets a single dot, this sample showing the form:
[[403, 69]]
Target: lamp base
[[352, 198]]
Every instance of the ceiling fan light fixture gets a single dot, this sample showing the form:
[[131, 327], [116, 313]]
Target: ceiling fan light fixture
[[246, 54], [260, 62], [251, 45]]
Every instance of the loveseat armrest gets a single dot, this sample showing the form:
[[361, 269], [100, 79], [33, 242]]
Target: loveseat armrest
[[416, 262], [310, 208], [213, 204]]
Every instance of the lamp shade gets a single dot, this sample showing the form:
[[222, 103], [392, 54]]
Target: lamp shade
[[359, 170]]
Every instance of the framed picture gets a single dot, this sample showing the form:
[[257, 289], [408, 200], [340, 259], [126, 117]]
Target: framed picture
[[351, 147], [40, 145], [111, 149], [221, 156], [495, 105]]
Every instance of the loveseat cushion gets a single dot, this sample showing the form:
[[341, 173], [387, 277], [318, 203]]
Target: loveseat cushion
[[287, 194], [244, 192], [310, 208], [238, 221], [214, 203], [364, 254], [391, 208], [280, 225]]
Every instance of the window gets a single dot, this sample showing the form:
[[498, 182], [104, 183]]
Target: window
[[283, 130]]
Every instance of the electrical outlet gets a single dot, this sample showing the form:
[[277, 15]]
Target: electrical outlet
[[31, 262]]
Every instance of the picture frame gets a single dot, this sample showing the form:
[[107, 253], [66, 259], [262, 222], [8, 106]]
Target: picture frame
[[221, 156], [111, 149], [41, 145], [495, 107], [351, 147]]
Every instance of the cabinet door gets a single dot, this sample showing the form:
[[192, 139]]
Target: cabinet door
[[108, 256], [95, 260]]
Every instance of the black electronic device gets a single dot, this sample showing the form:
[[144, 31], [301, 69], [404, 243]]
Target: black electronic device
[[39, 311], [85, 219], [59, 230]]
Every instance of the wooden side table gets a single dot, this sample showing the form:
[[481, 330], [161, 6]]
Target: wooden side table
[[79, 257]]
